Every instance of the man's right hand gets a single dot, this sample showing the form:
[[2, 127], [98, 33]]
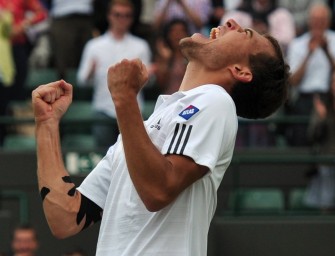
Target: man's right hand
[[50, 101]]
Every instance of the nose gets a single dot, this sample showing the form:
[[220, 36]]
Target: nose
[[232, 25]]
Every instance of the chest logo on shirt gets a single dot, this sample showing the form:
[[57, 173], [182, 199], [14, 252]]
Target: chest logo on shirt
[[188, 112]]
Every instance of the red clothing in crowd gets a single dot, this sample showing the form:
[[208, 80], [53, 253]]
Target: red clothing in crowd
[[25, 13]]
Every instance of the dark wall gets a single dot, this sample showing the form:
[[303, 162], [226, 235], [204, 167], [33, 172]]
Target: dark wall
[[276, 236]]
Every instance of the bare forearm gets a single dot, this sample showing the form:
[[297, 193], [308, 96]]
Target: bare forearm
[[49, 158], [148, 168], [61, 201]]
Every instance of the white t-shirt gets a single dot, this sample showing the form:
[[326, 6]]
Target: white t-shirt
[[200, 123], [62, 8], [318, 70], [106, 51]]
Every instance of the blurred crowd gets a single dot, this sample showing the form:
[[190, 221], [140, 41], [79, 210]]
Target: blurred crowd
[[89, 35]]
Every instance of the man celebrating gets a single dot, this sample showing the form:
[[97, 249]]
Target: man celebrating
[[155, 190]]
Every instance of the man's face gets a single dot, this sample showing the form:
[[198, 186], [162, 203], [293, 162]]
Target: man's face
[[120, 17], [24, 243], [319, 21], [229, 44]]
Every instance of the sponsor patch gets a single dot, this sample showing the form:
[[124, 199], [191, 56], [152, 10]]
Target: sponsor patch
[[188, 112]]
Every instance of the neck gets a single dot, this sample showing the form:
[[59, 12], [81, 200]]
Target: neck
[[117, 34], [196, 76]]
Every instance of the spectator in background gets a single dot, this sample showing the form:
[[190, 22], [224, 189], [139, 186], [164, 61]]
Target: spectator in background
[[100, 13], [321, 190], [218, 10], [232, 4], [311, 57], [7, 69], [170, 64], [71, 27], [26, 13], [238, 13], [299, 10], [195, 12], [265, 16], [24, 241], [101, 52], [145, 28]]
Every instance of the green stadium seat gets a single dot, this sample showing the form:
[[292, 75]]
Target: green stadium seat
[[296, 204], [40, 76], [71, 76], [81, 113], [296, 199], [257, 201], [19, 142], [78, 141]]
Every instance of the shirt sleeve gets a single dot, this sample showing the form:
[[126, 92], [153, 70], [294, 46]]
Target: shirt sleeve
[[95, 186], [203, 129], [295, 55], [85, 64]]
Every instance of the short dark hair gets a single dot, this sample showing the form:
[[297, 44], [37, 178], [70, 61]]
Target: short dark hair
[[268, 89]]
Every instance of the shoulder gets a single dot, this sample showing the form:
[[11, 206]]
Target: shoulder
[[137, 40], [96, 41]]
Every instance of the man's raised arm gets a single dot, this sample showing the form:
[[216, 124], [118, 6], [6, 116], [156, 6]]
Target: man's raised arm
[[64, 207]]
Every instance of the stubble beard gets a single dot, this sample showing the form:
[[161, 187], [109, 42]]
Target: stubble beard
[[189, 48]]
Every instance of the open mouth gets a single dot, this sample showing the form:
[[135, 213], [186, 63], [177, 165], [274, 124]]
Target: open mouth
[[214, 33]]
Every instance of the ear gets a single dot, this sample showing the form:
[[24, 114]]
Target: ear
[[241, 73]]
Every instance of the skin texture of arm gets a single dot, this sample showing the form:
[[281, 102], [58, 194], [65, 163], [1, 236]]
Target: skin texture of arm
[[158, 179], [61, 202]]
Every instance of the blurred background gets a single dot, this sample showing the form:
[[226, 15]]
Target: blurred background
[[277, 196]]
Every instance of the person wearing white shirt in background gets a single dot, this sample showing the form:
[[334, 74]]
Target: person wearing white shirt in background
[[101, 52], [311, 57], [265, 16], [299, 10]]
